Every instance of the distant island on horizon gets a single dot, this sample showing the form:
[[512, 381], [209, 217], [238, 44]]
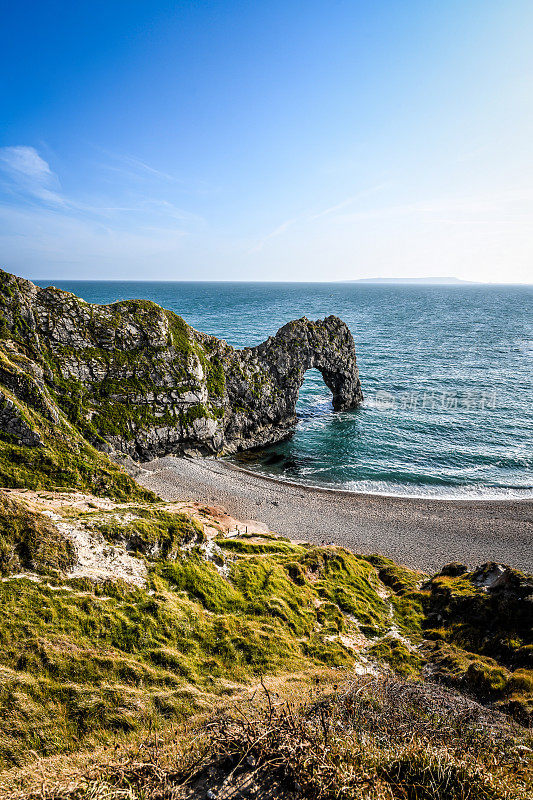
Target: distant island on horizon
[[438, 281]]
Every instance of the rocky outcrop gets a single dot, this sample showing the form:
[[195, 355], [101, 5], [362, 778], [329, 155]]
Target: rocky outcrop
[[14, 426], [135, 378]]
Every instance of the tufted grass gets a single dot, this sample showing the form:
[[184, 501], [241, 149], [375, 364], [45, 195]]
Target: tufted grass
[[153, 532], [371, 739], [30, 541], [82, 663]]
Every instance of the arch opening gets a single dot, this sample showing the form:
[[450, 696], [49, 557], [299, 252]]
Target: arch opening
[[315, 398]]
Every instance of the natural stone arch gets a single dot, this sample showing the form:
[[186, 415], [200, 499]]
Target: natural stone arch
[[326, 345], [132, 378], [282, 361]]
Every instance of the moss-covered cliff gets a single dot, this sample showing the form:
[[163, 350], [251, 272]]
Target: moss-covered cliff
[[135, 378]]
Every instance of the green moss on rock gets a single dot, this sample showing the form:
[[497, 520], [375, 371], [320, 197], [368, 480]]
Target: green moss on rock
[[135, 378], [30, 541], [397, 655]]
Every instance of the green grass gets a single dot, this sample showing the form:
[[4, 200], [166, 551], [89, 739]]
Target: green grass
[[153, 532], [397, 655], [179, 333], [400, 579], [30, 541], [260, 547], [64, 460], [350, 583], [82, 661], [68, 465]]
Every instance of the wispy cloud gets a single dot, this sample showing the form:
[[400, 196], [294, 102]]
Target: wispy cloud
[[23, 160], [311, 216], [46, 241], [501, 207], [349, 201], [278, 231], [30, 174], [332, 209], [135, 168], [27, 173], [143, 167], [138, 171], [41, 222]]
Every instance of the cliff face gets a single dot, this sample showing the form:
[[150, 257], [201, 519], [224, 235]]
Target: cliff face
[[135, 378]]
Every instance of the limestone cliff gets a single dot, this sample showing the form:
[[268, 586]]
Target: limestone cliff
[[135, 378]]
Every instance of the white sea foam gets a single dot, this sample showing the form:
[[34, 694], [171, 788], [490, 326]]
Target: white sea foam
[[389, 489], [472, 492]]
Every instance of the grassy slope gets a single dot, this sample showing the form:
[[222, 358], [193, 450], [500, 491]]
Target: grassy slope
[[53, 409], [83, 661], [304, 736], [63, 460], [374, 739]]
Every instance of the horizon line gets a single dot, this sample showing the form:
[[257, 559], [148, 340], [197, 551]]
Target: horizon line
[[458, 283]]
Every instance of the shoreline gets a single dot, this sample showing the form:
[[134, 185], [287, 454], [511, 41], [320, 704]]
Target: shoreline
[[360, 493], [423, 532]]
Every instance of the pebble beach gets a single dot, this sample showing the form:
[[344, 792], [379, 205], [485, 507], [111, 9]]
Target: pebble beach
[[420, 532]]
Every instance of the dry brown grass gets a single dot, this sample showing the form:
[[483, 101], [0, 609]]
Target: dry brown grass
[[60, 775], [379, 738]]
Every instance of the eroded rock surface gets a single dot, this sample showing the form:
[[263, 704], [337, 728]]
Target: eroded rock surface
[[134, 378]]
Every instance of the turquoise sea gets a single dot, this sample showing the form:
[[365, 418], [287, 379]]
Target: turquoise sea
[[446, 372]]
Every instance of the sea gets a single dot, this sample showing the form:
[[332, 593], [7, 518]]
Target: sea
[[446, 373]]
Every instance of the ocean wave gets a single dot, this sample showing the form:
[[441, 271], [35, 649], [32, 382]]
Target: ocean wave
[[387, 489], [470, 492]]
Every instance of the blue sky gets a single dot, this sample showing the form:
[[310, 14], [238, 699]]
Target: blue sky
[[267, 141]]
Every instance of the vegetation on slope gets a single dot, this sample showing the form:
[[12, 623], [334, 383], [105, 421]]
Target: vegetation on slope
[[66, 464], [375, 738], [378, 739], [82, 660], [85, 661], [479, 624], [30, 541], [59, 457]]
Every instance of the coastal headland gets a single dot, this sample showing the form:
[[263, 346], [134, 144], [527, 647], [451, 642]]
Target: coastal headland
[[83, 386], [134, 378]]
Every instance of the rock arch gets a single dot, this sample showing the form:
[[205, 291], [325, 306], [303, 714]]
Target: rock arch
[[282, 361], [133, 378]]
